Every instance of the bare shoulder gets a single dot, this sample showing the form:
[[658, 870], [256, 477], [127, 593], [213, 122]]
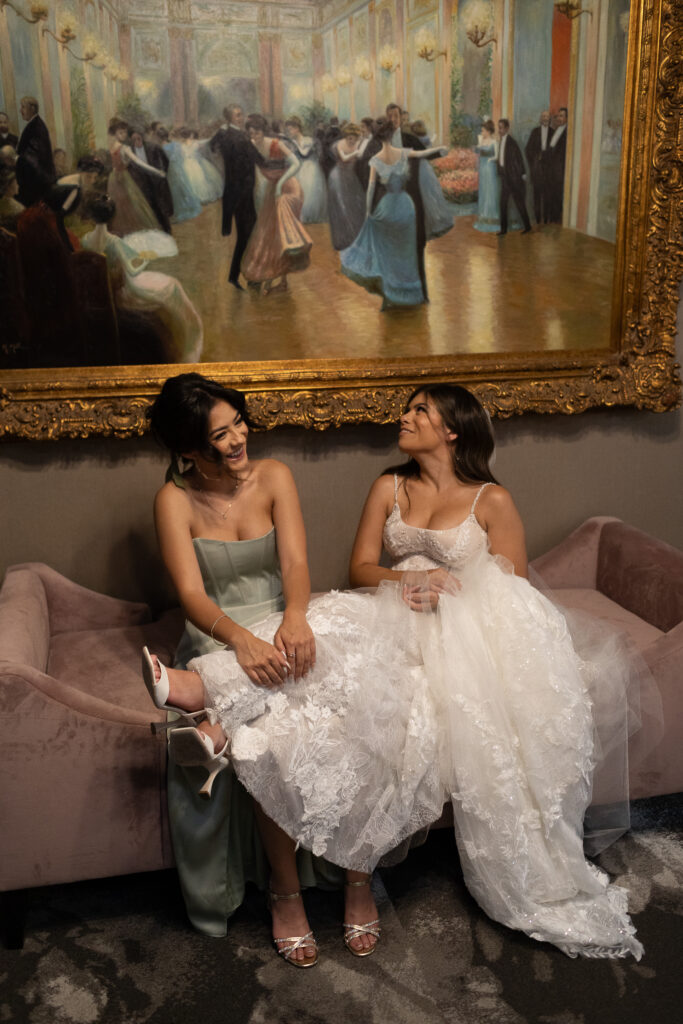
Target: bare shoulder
[[170, 496], [272, 466], [381, 493], [383, 487], [496, 503], [273, 472], [171, 503]]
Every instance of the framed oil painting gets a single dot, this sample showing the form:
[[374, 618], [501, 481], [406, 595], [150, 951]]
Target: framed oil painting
[[324, 202]]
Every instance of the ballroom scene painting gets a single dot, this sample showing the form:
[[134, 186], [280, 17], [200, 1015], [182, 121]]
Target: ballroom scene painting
[[185, 181]]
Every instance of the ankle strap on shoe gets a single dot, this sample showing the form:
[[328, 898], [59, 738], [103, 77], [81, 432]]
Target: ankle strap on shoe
[[284, 896]]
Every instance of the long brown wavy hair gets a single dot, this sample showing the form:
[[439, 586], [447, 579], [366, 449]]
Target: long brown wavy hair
[[464, 415]]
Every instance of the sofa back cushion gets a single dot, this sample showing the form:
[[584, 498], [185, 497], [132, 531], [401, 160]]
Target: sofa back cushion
[[642, 574], [24, 620]]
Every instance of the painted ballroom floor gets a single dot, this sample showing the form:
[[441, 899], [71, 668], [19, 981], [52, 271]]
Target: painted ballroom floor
[[548, 291]]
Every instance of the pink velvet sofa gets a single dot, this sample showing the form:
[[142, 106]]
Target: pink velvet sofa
[[634, 582], [82, 779]]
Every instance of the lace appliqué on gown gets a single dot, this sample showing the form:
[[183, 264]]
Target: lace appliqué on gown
[[484, 702]]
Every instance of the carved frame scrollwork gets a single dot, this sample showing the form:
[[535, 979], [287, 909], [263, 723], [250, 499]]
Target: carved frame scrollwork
[[640, 370]]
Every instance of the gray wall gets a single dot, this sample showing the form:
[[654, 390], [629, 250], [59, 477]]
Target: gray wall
[[84, 507]]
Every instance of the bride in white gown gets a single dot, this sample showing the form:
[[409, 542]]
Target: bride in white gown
[[454, 680]]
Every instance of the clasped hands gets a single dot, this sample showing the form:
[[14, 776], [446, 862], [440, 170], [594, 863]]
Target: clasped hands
[[421, 590], [292, 652]]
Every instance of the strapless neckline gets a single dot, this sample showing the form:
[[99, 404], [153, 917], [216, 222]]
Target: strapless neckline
[[247, 540], [426, 529]]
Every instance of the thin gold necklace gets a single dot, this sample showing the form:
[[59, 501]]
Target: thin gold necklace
[[223, 514]]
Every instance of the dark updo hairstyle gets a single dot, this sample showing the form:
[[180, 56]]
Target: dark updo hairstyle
[[102, 208], [89, 164], [384, 131], [257, 122], [179, 417], [464, 415]]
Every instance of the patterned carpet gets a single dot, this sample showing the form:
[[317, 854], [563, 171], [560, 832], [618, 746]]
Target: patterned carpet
[[119, 951]]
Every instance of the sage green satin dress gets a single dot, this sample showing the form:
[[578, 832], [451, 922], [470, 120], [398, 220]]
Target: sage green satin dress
[[216, 842]]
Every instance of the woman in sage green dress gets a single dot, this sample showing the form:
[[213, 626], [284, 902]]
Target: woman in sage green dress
[[232, 537]]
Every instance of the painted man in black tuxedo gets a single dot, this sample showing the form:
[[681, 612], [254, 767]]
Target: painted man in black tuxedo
[[239, 159], [35, 166], [538, 153], [512, 174], [155, 190], [7, 138], [403, 140], [558, 155]]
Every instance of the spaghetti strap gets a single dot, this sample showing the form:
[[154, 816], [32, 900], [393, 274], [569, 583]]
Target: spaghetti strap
[[395, 488], [478, 495]]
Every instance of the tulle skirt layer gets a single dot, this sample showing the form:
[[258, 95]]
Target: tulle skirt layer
[[487, 702]]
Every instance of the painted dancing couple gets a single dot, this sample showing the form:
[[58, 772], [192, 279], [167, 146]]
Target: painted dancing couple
[[326, 732], [264, 199]]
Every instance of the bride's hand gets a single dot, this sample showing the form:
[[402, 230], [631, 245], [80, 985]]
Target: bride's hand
[[295, 640], [419, 598], [421, 591], [441, 581], [264, 664]]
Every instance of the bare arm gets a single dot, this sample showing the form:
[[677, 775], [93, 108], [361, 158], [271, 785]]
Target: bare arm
[[292, 167], [371, 191], [419, 154], [498, 515], [364, 568], [345, 157], [294, 635], [130, 157], [261, 661]]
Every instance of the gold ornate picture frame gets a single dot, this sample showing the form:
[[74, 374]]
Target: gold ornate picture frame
[[635, 367]]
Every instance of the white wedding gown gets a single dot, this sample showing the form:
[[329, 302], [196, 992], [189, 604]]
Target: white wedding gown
[[485, 703]]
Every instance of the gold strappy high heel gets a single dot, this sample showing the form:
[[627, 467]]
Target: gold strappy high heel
[[296, 941], [354, 931]]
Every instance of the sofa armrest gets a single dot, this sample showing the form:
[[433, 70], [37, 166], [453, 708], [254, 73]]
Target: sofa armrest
[[574, 561], [72, 606], [81, 794], [656, 751], [642, 574], [19, 682], [24, 621]]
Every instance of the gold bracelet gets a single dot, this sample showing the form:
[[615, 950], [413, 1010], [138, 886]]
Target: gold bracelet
[[218, 643]]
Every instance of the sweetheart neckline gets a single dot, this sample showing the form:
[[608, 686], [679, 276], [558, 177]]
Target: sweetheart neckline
[[246, 540], [426, 529]]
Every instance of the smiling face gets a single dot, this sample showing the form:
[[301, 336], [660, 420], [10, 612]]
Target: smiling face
[[227, 436], [421, 428]]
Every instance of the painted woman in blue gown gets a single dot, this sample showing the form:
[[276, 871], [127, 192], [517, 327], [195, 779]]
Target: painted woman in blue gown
[[383, 258], [186, 204], [310, 173], [488, 206]]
